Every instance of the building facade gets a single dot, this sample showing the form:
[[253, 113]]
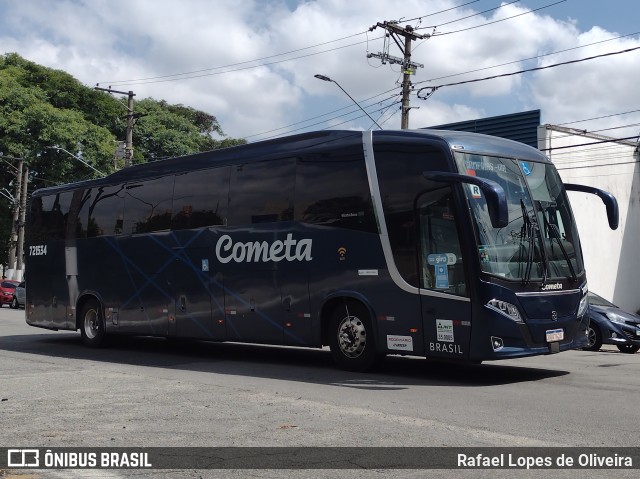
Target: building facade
[[612, 257]]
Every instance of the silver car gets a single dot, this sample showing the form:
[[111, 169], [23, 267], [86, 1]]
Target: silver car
[[19, 296]]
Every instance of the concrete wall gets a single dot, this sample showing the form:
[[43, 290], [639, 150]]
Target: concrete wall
[[612, 257]]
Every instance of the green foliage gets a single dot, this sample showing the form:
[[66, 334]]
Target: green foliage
[[42, 108], [173, 130]]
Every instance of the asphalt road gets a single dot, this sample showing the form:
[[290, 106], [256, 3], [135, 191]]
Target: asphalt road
[[145, 392]]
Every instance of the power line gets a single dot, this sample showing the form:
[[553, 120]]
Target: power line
[[497, 21], [325, 121], [584, 155], [194, 72], [597, 117], [598, 166], [591, 143], [136, 82], [358, 117], [600, 151], [532, 58], [552, 53], [388, 108], [470, 16], [568, 132], [441, 11], [434, 88], [212, 70], [349, 107]]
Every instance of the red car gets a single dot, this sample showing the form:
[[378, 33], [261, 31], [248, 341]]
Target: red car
[[7, 288]]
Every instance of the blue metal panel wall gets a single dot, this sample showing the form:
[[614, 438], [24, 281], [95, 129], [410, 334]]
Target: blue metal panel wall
[[520, 127]]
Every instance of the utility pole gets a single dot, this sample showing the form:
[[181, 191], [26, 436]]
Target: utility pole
[[21, 220], [13, 242], [19, 202], [128, 148], [408, 67]]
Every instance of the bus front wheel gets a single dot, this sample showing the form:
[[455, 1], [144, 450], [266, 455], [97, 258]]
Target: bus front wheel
[[92, 325], [351, 338]]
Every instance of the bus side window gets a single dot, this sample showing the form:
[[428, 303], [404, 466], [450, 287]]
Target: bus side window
[[333, 190], [105, 211], [76, 226], [400, 174], [200, 198], [147, 205], [262, 192], [49, 217]]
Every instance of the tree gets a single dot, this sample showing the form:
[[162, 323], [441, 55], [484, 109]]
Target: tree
[[41, 108], [166, 131], [30, 126]]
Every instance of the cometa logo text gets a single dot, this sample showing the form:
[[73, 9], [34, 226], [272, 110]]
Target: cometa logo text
[[262, 251]]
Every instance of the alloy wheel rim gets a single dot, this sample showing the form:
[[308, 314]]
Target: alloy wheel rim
[[352, 336]]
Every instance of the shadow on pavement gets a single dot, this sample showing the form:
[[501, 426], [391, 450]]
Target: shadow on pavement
[[285, 363]]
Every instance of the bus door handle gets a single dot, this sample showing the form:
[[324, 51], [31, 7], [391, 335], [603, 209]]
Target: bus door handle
[[183, 303]]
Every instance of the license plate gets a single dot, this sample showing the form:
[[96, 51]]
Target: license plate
[[554, 335]]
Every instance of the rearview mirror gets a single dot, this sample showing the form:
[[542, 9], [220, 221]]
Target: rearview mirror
[[607, 198]]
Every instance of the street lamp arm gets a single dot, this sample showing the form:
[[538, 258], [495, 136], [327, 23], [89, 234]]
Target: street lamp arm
[[57, 148], [326, 78]]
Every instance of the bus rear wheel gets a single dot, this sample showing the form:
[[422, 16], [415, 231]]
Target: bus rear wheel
[[92, 325], [351, 338]]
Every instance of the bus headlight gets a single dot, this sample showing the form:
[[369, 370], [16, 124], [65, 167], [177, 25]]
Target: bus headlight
[[508, 309]]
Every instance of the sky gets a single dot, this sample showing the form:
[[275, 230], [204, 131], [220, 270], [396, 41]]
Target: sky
[[251, 63]]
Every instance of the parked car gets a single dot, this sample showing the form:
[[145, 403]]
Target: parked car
[[7, 288], [19, 296], [608, 324]]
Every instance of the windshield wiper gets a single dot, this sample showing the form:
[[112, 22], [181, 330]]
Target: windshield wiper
[[527, 232], [530, 229], [554, 233]]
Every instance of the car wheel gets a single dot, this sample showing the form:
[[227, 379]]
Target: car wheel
[[594, 338], [14, 303], [92, 325], [628, 348], [351, 338]]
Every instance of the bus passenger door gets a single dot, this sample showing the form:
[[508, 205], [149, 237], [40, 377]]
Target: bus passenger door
[[141, 292], [193, 292], [253, 306], [446, 307]]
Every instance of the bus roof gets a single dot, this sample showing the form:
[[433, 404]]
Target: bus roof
[[294, 145]]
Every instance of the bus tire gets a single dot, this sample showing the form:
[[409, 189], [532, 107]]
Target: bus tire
[[351, 338], [92, 324]]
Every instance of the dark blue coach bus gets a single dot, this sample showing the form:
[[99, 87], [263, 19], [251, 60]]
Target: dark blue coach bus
[[438, 244]]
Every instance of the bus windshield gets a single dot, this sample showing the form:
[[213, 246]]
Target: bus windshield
[[540, 242]]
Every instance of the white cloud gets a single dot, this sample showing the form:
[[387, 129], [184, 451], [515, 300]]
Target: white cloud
[[106, 41]]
